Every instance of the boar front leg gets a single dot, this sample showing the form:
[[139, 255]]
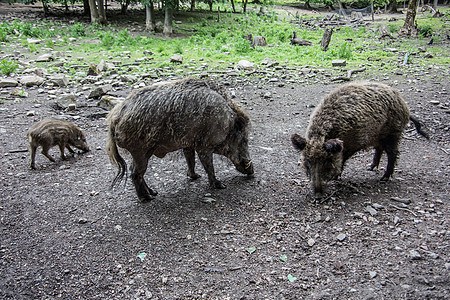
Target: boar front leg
[[189, 154], [45, 152], [61, 149], [33, 156], [138, 168], [206, 158]]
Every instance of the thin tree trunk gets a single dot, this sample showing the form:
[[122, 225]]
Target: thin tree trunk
[[409, 27], [86, 9], [45, 7], [192, 5], [326, 38], [94, 11], [244, 6], [168, 21], [101, 12], [435, 4], [232, 5], [150, 22]]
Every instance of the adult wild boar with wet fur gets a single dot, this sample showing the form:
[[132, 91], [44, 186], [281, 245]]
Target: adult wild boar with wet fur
[[189, 114], [49, 133], [351, 118]]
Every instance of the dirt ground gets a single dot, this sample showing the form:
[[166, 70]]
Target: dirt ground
[[66, 234]]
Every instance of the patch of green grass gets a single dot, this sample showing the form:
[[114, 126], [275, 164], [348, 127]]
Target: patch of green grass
[[7, 67]]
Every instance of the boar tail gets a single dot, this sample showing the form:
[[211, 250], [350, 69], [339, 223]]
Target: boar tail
[[115, 158], [419, 126]]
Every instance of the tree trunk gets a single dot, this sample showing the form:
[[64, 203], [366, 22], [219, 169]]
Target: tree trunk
[[326, 38], [341, 9], [86, 9], [409, 27], [94, 11], [192, 5], [45, 7], [232, 5], [392, 7], [210, 3], [435, 4], [150, 22], [244, 6], [168, 30], [101, 12]]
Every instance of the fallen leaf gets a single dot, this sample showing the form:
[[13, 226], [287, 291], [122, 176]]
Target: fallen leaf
[[291, 278]]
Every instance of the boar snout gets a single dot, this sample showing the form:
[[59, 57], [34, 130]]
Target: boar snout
[[245, 166]]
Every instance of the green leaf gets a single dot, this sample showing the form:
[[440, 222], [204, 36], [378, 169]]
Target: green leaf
[[142, 255], [291, 278], [251, 250], [283, 257]]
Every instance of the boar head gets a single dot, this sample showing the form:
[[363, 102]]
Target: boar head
[[323, 160]]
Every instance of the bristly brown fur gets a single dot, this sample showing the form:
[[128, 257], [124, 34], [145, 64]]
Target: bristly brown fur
[[190, 114], [351, 118]]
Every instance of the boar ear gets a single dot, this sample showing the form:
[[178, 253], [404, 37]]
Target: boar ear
[[334, 146], [298, 142]]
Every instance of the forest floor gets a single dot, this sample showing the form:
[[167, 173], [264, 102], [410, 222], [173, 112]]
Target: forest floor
[[65, 234]]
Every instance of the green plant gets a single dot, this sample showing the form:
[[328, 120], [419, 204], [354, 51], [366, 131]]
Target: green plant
[[425, 30], [178, 48], [7, 67], [242, 46], [78, 30], [345, 51], [107, 39]]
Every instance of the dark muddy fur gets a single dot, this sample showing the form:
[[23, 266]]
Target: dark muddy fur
[[194, 115], [351, 118], [49, 133]]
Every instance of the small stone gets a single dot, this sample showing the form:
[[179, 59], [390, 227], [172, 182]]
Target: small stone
[[246, 65], [428, 55], [447, 266], [208, 200], [435, 102], [8, 82], [415, 255], [373, 274], [33, 41], [31, 80], [65, 100], [311, 242], [341, 237], [176, 58], [31, 113], [82, 221], [45, 58], [372, 211], [59, 80], [339, 63]]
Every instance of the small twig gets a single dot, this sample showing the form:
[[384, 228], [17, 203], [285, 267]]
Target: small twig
[[405, 209], [18, 151], [349, 74], [445, 151]]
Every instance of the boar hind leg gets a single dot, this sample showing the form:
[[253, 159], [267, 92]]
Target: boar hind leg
[[390, 145], [61, 149], [45, 153], [376, 158], [189, 153], [207, 162], [138, 169], [33, 156]]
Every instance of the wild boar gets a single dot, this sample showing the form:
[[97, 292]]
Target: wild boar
[[351, 118], [49, 133], [190, 114]]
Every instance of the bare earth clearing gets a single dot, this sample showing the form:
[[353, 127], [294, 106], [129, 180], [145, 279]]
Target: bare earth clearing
[[65, 234]]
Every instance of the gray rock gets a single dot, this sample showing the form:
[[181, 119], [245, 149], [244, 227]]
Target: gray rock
[[372, 274], [341, 237], [37, 71], [372, 211], [339, 63], [176, 58], [66, 100], [246, 65], [45, 57], [269, 62], [415, 255], [8, 82], [31, 80], [34, 41], [93, 71], [59, 80], [101, 66], [128, 78], [100, 91], [107, 102]]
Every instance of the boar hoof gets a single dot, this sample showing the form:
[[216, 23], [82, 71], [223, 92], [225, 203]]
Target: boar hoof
[[194, 176], [218, 185], [385, 177]]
